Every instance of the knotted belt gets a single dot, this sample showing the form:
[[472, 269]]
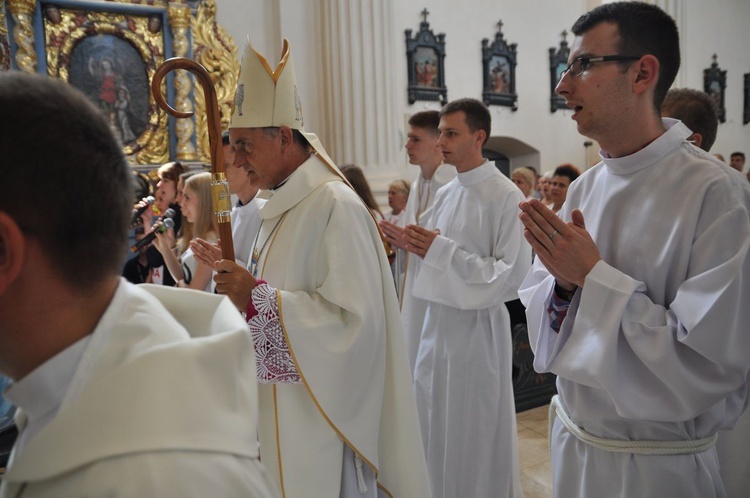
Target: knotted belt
[[644, 447]]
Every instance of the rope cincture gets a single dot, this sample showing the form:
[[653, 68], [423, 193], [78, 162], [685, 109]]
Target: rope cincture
[[644, 447]]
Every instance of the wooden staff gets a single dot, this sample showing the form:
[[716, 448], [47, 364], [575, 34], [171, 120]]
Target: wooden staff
[[222, 203]]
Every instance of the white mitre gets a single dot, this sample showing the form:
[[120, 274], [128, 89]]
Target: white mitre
[[267, 97]]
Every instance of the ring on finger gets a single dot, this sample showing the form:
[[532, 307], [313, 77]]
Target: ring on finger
[[553, 234]]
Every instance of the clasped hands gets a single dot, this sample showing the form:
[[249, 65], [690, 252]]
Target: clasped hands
[[413, 238], [566, 249], [231, 279]]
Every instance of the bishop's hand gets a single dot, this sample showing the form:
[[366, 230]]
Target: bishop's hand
[[234, 281]]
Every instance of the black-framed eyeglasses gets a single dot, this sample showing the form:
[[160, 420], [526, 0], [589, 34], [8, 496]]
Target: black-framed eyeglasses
[[578, 66]]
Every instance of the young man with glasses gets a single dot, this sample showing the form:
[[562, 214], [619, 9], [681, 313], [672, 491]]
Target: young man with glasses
[[639, 309]]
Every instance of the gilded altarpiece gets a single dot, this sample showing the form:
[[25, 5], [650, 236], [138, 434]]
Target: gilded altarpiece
[[110, 50], [5, 55]]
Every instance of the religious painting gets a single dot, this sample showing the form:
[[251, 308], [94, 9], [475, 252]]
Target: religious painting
[[426, 67], [746, 106], [561, 67], [111, 49], [715, 84], [499, 63], [499, 74], [110, 71], [425, 56], [558, 63], [111, 55]]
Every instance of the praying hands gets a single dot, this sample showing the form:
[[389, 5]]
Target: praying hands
[[418, 239], [566, 249]]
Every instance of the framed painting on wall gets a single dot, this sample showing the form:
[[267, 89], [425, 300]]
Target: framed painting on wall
[[558, 63], [111, 55], [715, 85], [499, 71], [425, 56]]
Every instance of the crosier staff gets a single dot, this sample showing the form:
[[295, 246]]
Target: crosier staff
[[222, 203]]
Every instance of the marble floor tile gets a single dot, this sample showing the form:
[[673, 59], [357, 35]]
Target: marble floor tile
[[533, 453]]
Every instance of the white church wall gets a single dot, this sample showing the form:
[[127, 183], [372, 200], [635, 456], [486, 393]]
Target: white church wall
[[721, 28], [535, 25]]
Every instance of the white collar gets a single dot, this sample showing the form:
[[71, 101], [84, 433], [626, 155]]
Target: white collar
[[478, 174], [675, 134]]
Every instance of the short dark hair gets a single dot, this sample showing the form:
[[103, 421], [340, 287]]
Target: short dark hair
[[567, 170], [225, 138], [644, 30], [477, 115], [81, 182], [694, 108], [427, 120], [741, 154]]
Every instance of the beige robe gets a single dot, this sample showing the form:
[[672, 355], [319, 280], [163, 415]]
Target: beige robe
[[162, 404], [340, 317]]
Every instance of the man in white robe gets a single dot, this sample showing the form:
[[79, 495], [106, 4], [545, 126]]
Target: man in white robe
[[697, 111], [121, 390], [244, 216], [424, 151], [473, 260], [337, 412], [637, 300]]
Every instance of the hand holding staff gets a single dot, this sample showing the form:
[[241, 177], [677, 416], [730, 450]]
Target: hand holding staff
[[219, 187]]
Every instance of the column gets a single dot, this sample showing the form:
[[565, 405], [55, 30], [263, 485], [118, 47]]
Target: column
[[179, 22], [358, 97], [23, 33]]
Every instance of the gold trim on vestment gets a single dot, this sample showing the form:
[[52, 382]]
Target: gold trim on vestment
[[282, 63], [312, 396], [304, 381], [384, 490]]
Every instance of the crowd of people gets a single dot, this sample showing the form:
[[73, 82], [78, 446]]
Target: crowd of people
[[347, 352]]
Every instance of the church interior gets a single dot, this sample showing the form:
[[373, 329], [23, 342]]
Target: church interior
[[363, 68]]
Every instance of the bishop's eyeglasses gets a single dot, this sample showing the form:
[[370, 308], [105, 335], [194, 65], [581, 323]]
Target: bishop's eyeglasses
[[578, 66]]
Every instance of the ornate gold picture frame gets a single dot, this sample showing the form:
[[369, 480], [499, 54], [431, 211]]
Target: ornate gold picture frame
[[111, 57], [110, 50]]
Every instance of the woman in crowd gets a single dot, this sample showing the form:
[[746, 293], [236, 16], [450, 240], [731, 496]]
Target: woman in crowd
[[357, 179], [561, 180], [199, 222], [524, 180], [398, 194], [545, 189]]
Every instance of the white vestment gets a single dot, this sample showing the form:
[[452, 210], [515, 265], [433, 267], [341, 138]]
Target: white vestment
[[150, 410], [655, 346], [340, 320], [418, 208], [245, 223], [734, 464], [463, 368]]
